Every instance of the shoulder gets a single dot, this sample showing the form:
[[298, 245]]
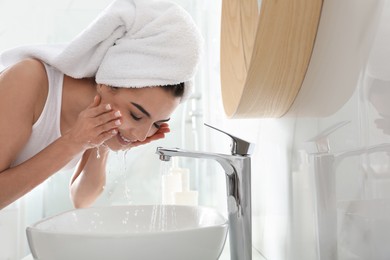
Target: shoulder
[[21, 88], [24, 85], [30, 70], [28, 75]]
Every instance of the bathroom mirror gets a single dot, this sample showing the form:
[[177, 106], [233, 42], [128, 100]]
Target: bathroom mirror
[[266, 47]]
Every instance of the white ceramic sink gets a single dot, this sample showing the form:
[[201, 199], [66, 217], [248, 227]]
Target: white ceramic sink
[[130, 232]]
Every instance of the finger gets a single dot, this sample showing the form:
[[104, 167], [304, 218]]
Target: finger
[[163, 125], [113, 124], [164, 130], [111, 119], [161, 130], [156, 137], [97, 111], [105, 136], [153, 138]]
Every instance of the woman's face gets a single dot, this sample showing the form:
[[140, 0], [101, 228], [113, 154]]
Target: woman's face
[[143, 111]]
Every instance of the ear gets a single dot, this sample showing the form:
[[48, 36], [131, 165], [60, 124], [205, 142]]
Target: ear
[[99, 88]]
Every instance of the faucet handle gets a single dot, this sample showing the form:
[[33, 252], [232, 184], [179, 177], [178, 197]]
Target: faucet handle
[[239, 146], [320, 143]]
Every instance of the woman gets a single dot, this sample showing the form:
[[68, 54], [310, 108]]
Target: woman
[[112, 88]]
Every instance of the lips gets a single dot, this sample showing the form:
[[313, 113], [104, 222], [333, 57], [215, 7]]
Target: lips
[[123, 140]]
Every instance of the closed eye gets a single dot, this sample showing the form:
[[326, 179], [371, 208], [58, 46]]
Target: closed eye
[[136, 118]]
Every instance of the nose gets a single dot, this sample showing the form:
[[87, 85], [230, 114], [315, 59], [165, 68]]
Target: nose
[[142, 132]]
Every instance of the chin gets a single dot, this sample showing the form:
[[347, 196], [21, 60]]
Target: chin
[[114, 145]]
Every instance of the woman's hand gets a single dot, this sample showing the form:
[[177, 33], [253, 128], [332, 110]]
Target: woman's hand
[[164, 128], [94, 125]]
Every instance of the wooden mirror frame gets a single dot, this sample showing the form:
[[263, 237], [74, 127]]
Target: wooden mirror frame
[[264, 58]]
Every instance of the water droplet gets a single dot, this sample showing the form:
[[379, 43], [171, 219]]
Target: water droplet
[[124, 155], [98, 152]]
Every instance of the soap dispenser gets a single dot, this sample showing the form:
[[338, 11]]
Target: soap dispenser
[[176, 186]]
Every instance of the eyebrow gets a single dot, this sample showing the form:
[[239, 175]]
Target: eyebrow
[[143, 110], [140, 108]]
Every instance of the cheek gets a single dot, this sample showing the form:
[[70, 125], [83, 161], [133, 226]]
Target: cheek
[[127, 123], [105, 96]]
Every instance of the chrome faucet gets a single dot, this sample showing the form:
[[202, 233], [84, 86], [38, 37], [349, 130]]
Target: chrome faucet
[[237, 166]]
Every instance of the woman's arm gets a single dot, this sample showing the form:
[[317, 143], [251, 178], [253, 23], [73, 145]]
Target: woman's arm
[[90, 177], [21, 87], [19, 180]]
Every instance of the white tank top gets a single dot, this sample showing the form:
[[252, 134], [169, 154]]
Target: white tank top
[[47, 128]]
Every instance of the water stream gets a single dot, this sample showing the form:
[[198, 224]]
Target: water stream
[[163, 217]]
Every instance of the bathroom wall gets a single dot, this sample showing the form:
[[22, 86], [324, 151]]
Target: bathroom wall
[[289, 183], [284, 188]]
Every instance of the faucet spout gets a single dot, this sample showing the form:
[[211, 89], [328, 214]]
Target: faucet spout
[[166, 153], [165, 158], [238, 185]]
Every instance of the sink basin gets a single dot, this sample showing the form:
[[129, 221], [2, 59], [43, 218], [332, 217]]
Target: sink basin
[[147, 232]]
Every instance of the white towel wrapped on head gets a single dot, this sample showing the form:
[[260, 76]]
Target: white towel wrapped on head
[[132, 43]]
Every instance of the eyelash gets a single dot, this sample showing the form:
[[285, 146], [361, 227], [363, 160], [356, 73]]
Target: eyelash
[[135, 117], [139, 118]]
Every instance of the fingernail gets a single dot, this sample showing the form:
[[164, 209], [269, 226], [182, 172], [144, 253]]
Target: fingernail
[[114, 132], [108, 107], [118, 122], [118, 113]]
